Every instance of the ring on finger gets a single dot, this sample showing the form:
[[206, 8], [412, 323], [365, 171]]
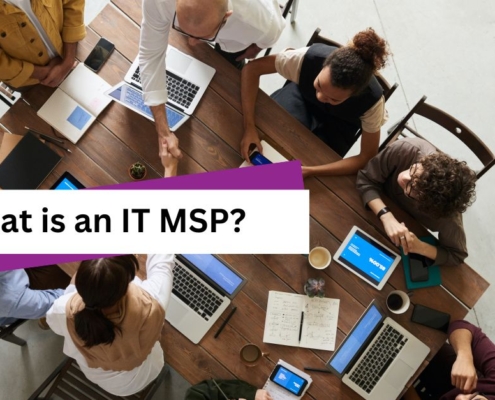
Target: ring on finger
[[402, 237]]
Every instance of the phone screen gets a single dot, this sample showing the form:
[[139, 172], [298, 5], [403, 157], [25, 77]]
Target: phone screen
[[99, 54], [418, 269], [288, 380], [429, 317], [259, 159]]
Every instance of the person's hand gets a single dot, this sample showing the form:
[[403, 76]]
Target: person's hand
[[169, 162], [250, 137], [463, 375], [306, 172], [397, 232], [251, 52], [169, 144], [262, 395], [58, 71]]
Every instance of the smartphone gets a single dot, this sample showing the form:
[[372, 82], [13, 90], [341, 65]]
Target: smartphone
[[99, 54], [417, 268], [288, 380], [429, 317], [257, 158]]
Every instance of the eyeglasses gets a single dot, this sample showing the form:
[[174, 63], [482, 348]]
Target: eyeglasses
[[410, 185], [177, 28]]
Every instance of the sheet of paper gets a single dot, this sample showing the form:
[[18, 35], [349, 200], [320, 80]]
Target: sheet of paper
[[279, 393], [320, 323], [283, 318], [8, 143]]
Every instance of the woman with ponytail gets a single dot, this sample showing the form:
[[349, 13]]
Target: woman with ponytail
[[112, 321], [332, 91]]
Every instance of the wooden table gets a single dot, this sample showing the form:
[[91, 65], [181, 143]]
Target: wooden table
[[210, 141]]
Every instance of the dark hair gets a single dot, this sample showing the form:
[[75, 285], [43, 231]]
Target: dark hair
[[101, 283], [445, 186], [352, 66]]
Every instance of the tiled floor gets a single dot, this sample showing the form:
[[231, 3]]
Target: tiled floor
[[442, 48]]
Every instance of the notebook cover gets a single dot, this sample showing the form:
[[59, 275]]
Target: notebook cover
[[435, 278], [28, 164]]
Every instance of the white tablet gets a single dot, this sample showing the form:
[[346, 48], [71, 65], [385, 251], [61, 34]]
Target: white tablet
[[367, 258], [132, 98]]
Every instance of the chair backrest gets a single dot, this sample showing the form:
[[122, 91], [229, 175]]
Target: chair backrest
[[7, 333], [449, 123], [387, 89], [71, 384]]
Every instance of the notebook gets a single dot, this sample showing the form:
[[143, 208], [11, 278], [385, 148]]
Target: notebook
[[132, 98], [298, 320], [28, 164], [203, 288], [76, 103], [187, 79], [378, 356]]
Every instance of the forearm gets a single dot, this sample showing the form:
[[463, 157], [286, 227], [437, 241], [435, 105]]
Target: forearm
[[461, 340], [170, 171], [69, 53], [346, 166], [250, 80], [161, 122]]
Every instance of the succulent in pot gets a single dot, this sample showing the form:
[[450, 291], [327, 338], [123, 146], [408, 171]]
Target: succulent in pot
[[137, 171], [315, 287]]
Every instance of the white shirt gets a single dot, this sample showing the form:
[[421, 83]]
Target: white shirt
[[252, 21], [159, 271], [25, 6]]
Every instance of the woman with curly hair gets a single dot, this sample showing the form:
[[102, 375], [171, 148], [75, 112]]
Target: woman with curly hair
[[332, 91], [431, 186]]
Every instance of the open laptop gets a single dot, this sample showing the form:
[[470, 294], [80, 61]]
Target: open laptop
[[187, 79], [378, 357], [203, 288]]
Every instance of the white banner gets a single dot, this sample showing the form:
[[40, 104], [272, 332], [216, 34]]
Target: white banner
[[154, 221]]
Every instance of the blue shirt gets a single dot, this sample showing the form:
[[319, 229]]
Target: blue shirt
[[18, 301]]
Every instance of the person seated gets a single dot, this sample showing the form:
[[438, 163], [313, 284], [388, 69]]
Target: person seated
[[240, 29], [29, 293], [461, 370], [431, 186], [38, 40], [332, 91], [233, 389], [112, 321]]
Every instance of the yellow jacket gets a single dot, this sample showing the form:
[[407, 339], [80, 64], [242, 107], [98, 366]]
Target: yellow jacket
[[20, 45]]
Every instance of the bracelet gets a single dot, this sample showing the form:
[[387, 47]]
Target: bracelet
[[384, 210]]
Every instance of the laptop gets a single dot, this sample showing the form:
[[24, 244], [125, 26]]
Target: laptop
[[203, 288], [378, 357], [187, 79]]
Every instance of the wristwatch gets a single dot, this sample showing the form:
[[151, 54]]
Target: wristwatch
[[384, 210]]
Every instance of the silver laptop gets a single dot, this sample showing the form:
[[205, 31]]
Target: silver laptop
[[187, 79], [378, 357], [203, 288]]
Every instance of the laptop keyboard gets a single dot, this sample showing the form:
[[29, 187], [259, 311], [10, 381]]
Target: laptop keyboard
[[378, 358], [194, 293], [179, 90]]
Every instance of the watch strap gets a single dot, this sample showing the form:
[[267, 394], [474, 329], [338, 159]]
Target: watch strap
[[384, 210]]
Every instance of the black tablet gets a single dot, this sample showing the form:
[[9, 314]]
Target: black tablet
[[67, 182]]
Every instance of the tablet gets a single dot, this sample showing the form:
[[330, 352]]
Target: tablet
[[132, 98], [67, 182], [367, 258]]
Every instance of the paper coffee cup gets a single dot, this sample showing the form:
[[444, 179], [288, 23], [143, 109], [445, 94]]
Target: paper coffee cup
[[398, 302], [319, 257]]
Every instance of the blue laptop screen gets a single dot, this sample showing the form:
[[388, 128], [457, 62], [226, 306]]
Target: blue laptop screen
[[217, 271], [367, 257], [353, 343]]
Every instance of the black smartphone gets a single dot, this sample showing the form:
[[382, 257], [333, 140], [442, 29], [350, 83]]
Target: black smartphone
[[429, 317], [290, 381], [417, 268], [257, 158], [99, 54]]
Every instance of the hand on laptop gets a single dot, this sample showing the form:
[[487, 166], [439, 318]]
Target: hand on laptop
[[250, 138]]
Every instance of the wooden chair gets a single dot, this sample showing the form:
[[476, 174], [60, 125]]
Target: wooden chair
[[446, 121], [71, 384], [7, 333], [387, 89], [289, 6]]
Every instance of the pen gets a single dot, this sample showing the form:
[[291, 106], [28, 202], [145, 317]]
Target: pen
[[49, 139], [316, 369], [44, 136], [218, 386], [300, 326], [225, 322]]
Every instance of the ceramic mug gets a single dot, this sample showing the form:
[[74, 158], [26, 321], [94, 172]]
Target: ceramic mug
[[251, 354], [319, 257], [398, 301]]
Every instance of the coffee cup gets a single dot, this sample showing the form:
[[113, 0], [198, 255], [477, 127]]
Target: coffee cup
[[398, 302], [251, 354], [319, 257]]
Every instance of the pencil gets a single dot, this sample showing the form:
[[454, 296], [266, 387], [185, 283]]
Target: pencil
[[225, 322], [316, 369]]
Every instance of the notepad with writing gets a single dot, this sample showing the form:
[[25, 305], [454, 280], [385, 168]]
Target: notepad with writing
[[289, 314], [76, 103]]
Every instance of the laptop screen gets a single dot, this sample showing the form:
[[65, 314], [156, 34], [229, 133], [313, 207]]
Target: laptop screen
[[355, 340], [217, 271], [367, 257]]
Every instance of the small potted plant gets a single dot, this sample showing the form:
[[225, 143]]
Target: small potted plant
[[315, 287], [137, 171]]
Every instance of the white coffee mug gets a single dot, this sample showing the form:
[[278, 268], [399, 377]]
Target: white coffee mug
[[398, 301], [319, 257]]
